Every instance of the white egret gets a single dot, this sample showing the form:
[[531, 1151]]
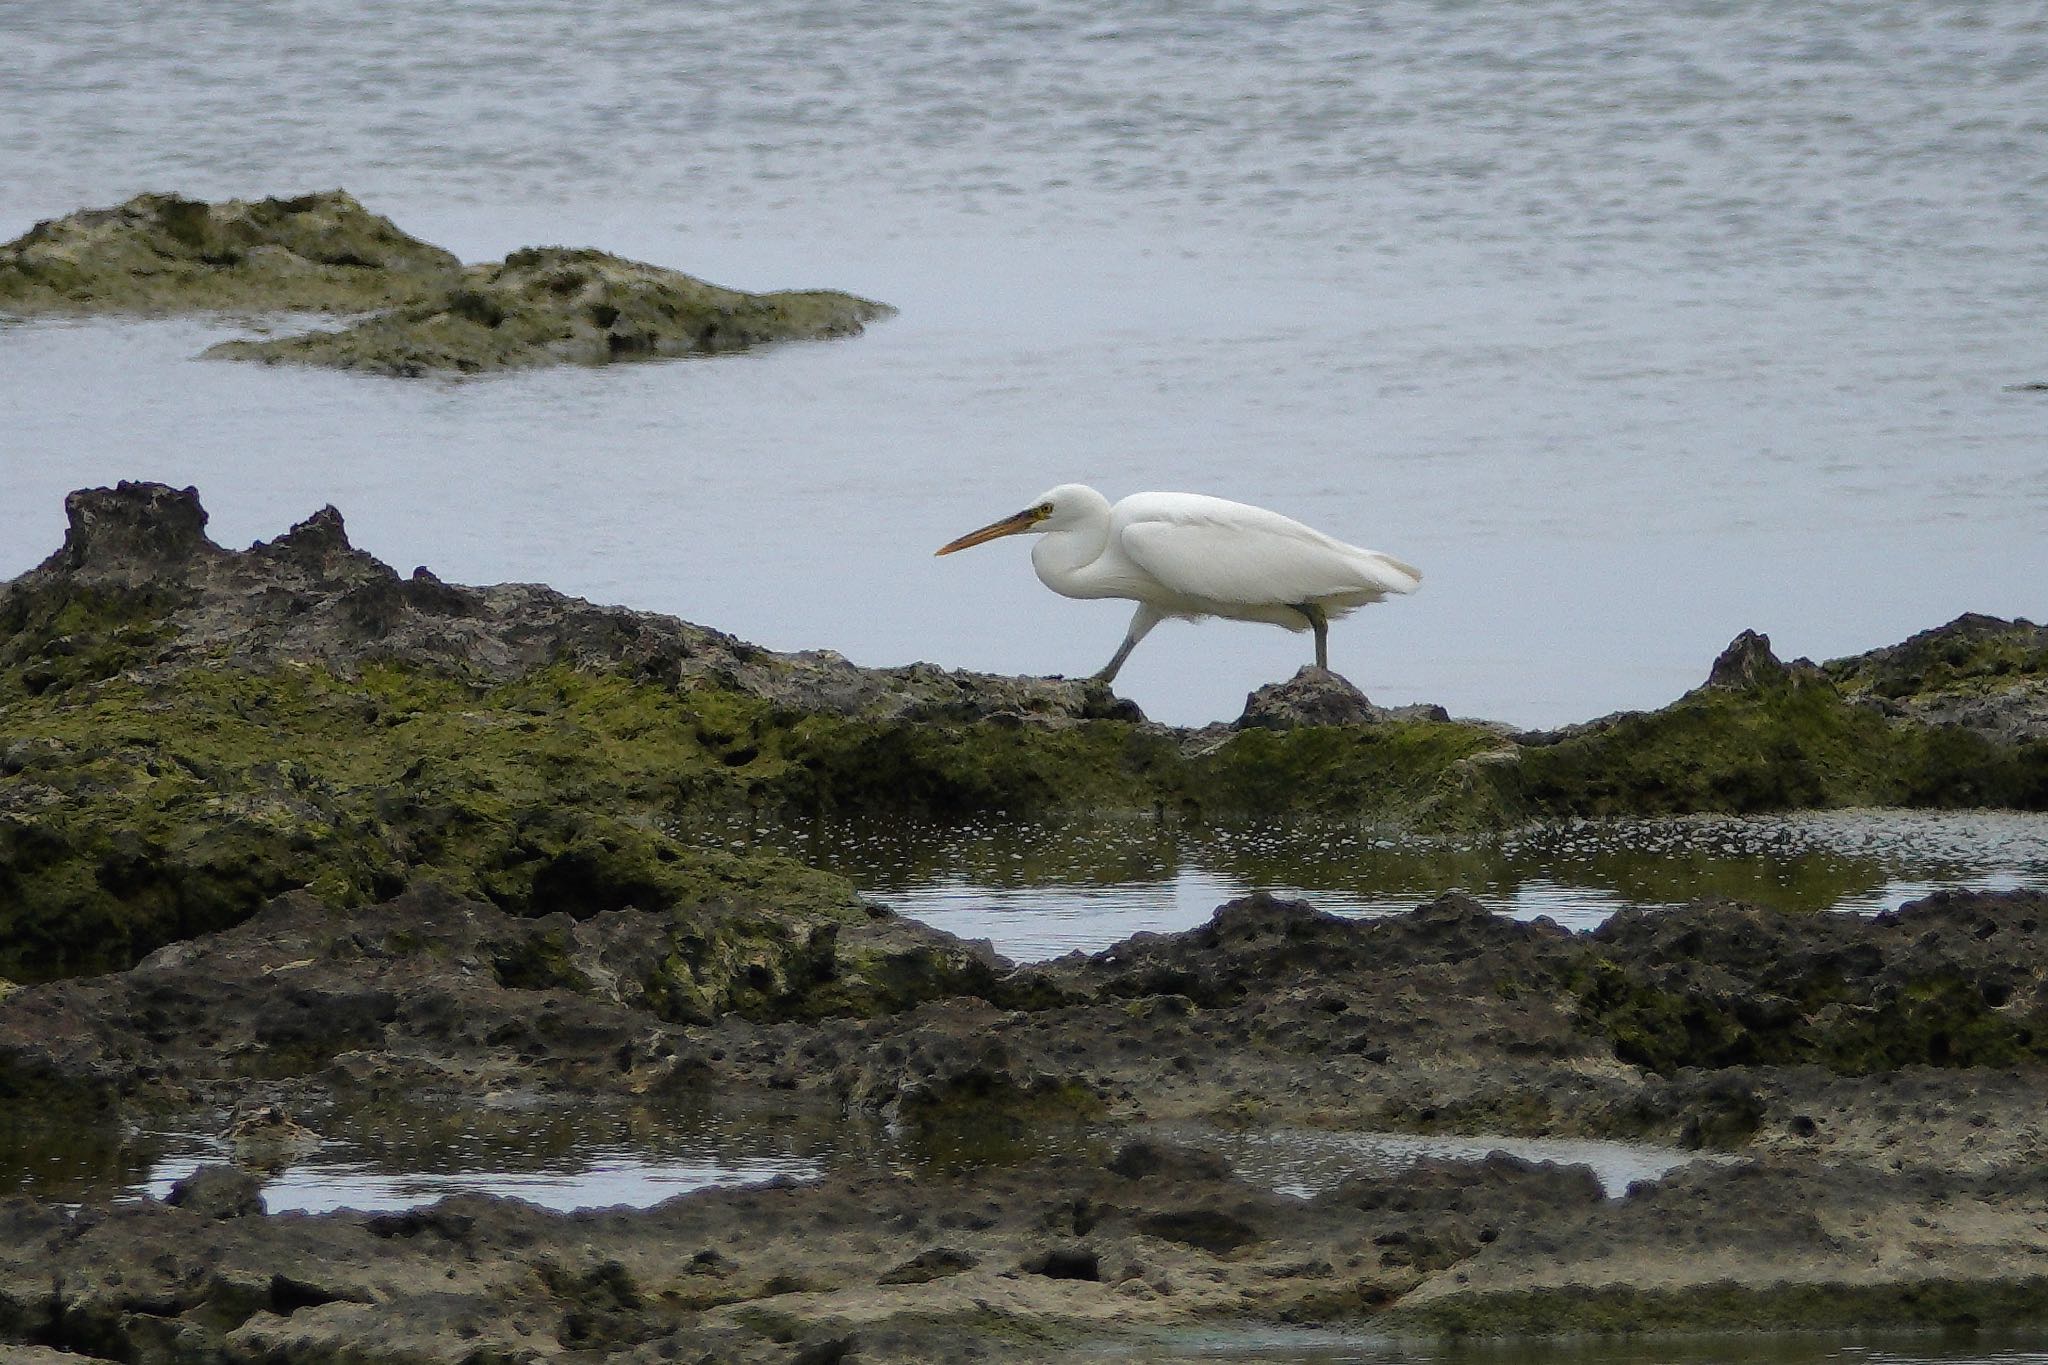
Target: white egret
[[1188, 555]]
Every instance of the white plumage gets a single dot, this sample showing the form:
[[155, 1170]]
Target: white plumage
[[1189, 555]]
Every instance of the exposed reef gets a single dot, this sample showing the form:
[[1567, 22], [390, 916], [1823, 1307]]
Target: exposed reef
[[1031, 1208], [160, 253], [187, 731], [285, 835]]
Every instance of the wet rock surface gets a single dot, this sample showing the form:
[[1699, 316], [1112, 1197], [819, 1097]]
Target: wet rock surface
[[1029, 1212], [283, 832]]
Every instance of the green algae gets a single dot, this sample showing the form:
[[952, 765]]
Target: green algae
[[553, 305], [1935, 1019], [164, 253], [1388, 773], [1972, 655], [150, 811], [1799, 745]]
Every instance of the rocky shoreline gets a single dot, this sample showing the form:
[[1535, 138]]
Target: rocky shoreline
[[283, 832], [425, 312]]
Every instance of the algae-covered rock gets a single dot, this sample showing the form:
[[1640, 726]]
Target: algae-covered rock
[[187, 731], [1762, 735], [1977, 673], [161, 253], [553, 305], [1953, 980], [164, 253]]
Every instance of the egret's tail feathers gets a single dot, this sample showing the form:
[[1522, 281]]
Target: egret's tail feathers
[[1396, 576], [1408, 571]]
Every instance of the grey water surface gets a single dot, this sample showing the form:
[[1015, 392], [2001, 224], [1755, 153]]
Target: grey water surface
[[1633, 326]]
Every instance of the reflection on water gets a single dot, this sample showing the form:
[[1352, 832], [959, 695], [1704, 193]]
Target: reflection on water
[[1039, 890], [387, 1156], [1307, 1161], [1309, 1346], [72, 1162], [601, 1177]]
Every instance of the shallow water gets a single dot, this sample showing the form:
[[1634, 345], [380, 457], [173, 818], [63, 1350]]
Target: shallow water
[[1308, 1161], [1039, 890], [391, 1156], [387, 1157], [1632, 327]]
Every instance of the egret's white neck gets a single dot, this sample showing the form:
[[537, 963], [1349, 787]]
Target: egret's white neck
[[1070, 544]]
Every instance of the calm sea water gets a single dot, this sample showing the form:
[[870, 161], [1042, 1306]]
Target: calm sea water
[[1633, 327]]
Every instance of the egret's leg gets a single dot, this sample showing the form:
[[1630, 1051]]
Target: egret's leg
[[1142, 621], [1321, 625]]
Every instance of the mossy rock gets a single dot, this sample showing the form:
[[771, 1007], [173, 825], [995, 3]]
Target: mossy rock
[[553, 306], [161, 253], [142, 812], [1733, 986], [1798, 744], [1971, 654]]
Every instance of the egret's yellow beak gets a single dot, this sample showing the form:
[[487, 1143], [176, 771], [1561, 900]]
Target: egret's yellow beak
[[1008, 526]]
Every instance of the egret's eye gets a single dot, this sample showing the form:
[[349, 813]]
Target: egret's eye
[[1044, 509]]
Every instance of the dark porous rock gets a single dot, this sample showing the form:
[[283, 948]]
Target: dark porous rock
[[132, 534], [430, 984], [1216, 1231], [1438, 1213], [211, 728], [1957, 979], [935, 1263], [1313, 696], [218, 1192], [1154, 1159], [309, 596], [1748, 665], [165, 253], [553, 306], [1875, 1081]]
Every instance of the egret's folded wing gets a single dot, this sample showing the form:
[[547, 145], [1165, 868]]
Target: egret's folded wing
[[1258, 560]]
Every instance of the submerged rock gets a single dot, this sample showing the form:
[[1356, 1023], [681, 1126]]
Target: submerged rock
[[219, 1192], [553, 306], [162, 253]]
